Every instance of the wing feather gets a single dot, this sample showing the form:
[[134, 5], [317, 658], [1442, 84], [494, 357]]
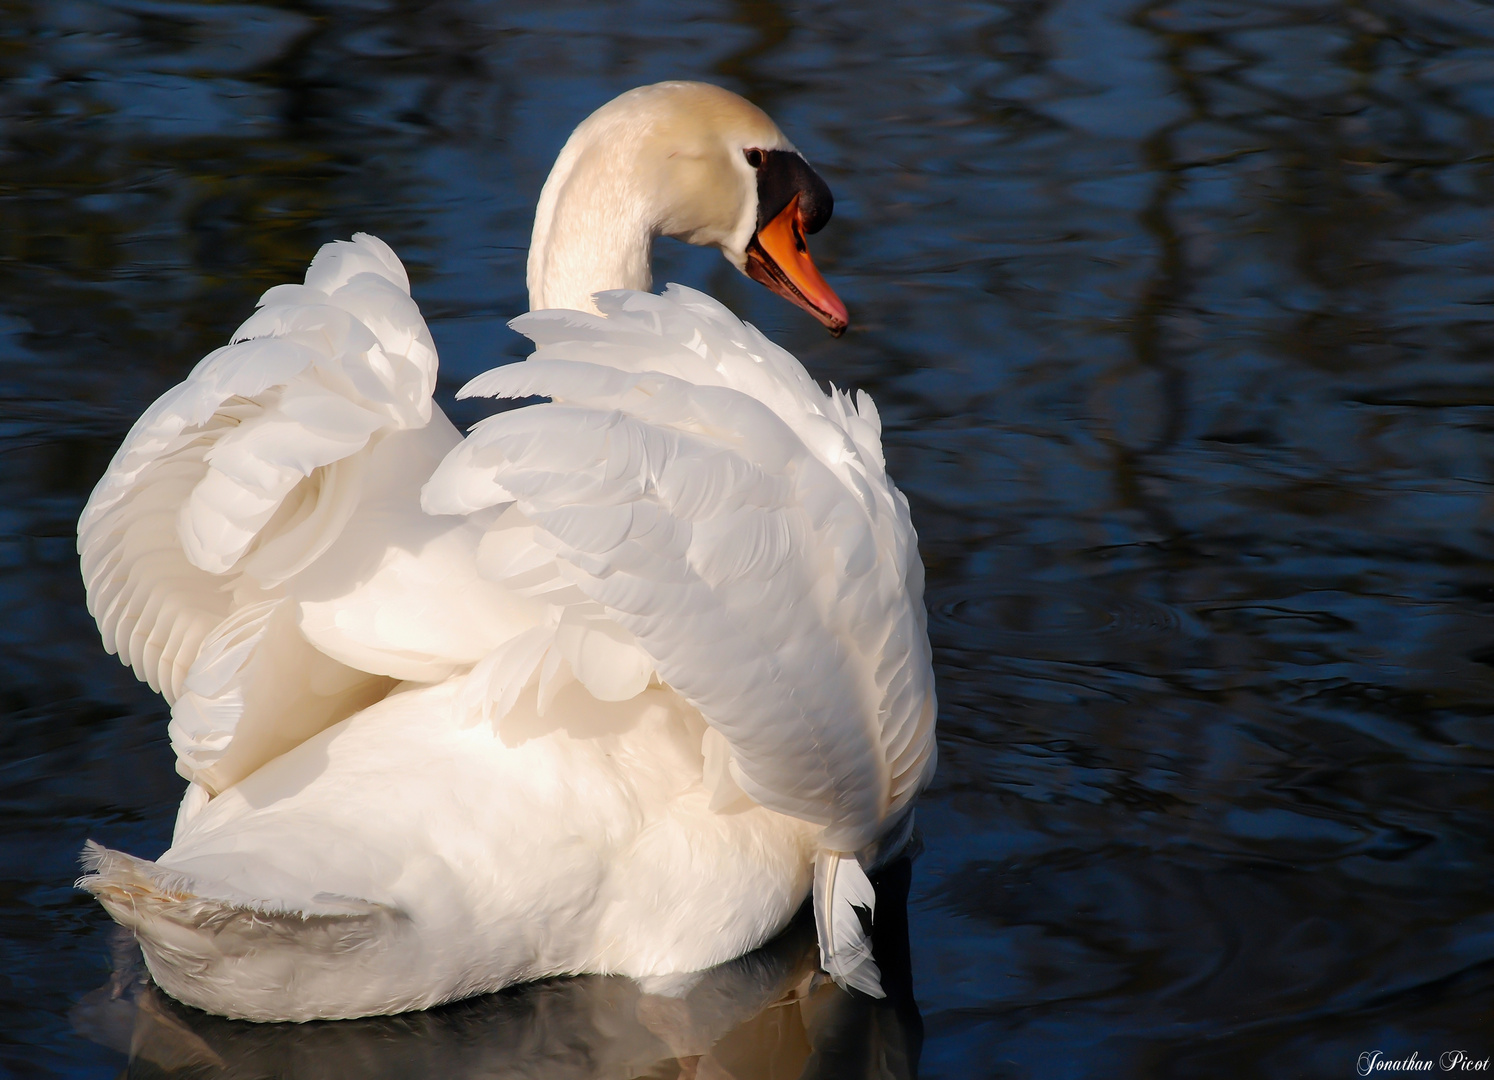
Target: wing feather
[[232, 483], [840, 888], [690, 479], [255, 691]]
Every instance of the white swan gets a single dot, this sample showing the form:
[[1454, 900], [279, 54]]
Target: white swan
[[608, 686]]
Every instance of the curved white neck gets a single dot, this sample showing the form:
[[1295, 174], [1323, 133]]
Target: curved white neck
[[594, 229], [661, 160]]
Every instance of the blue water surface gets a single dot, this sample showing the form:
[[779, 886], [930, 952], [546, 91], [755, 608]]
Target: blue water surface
[[1178, 315]]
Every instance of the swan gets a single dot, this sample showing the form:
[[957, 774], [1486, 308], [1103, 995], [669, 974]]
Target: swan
[[609, 685]]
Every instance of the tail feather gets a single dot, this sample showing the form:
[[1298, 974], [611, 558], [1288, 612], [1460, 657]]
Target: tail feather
[[141, 886], [210, 946]]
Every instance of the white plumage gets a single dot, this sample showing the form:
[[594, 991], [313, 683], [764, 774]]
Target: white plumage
[[609, 685]]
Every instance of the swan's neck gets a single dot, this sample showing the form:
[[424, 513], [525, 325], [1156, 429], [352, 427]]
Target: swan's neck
[[593, 230]]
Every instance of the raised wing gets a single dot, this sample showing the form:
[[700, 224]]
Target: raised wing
[[237, 480], [691, 484]]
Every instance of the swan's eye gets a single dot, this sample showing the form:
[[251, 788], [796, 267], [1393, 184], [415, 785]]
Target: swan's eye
[[754, 158]]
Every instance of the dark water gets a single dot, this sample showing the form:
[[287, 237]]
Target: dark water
[[1179, 317]]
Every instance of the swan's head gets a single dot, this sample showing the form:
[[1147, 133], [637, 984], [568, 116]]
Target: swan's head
[[699, 163], [729, 179]]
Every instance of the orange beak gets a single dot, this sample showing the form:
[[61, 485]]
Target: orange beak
[[778, 256]]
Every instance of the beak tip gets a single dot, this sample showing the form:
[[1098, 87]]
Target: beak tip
[[834, 315], [778, 258]]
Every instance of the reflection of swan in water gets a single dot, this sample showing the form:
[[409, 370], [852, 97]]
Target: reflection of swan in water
[[767, 1014]]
